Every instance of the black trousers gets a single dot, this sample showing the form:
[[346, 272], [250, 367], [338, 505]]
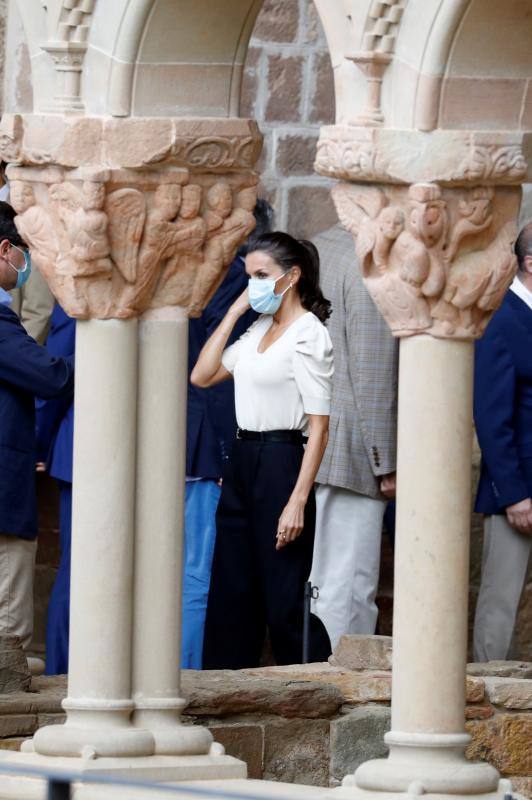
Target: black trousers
[[253, 585]]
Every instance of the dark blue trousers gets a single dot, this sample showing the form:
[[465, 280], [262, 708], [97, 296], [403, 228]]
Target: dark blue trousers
[[57, 628], [255, 587]]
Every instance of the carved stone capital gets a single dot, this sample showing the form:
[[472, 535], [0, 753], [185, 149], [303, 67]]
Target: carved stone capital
[[404, 156], [435, 260], [130, 214]]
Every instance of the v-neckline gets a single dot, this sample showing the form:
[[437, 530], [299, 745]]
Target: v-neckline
[[280, 337]]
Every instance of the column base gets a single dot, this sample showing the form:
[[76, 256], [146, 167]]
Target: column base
[[424, 764], [353, 792], [161, 717], [155, 769]]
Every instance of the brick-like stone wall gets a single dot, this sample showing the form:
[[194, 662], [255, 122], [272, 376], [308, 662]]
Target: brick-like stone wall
[[288, 88]]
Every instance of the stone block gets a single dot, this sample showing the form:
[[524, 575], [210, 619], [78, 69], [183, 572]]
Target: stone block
[[523, 786], [356, 737], [322, 102], [245, 742], [479, 712], [248, 94], [501, 669], [277, 22], [475, 690], [296, 154], [310, 210], [218, 693], [356, 687], [50, 719], [285, 76], [297, 751], [363, 652], [14, 672], [13, 743], [314, 33], [504, 741], [510, 693], [18, 725]]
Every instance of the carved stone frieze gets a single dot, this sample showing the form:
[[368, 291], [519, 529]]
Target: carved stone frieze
[[435, 260], [113, 243], [215, 145], [449, 157]]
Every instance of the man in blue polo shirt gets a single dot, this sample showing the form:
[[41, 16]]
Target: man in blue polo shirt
[[503, 417], [27, 371]]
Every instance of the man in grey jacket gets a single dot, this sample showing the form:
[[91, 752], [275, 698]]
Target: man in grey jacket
[[357, 473]]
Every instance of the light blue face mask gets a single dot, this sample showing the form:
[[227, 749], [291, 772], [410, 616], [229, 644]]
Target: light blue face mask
[[23, 273], [262, 297]]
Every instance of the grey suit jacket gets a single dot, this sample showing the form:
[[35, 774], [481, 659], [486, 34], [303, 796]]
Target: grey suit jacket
[[363, 424]]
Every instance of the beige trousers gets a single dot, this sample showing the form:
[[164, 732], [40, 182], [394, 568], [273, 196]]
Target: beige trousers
[[17, 565], [504, 567]]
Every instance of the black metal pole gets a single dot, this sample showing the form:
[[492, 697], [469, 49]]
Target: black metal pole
[[58, 789]]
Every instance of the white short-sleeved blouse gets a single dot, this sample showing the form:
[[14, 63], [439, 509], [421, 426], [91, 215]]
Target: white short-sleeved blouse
[[277, 389]]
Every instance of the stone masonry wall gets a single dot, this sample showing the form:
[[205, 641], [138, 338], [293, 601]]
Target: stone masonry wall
[[315, 723], [288, 88]]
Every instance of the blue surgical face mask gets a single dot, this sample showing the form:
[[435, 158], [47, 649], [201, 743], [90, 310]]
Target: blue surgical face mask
[[262, 297], [23, 273]]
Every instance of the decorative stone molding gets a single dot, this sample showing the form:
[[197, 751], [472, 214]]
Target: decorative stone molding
[[68, 52], [406, 156], [126, 215], [434, 260], [113, 243], [216, 145]]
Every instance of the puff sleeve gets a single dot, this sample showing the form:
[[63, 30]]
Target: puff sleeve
[[314, 367], [232, 353]]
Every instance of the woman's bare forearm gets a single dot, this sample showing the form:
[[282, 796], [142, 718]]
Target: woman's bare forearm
[[210, 358], [310, 465]]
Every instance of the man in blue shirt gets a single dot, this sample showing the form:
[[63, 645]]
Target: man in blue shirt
[[27, 371], [503, 418]]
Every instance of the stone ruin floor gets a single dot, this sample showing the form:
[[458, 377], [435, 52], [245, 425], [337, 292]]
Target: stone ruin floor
[[314, 723]]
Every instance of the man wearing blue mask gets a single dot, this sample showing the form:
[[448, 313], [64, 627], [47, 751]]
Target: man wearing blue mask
[[27, 371]]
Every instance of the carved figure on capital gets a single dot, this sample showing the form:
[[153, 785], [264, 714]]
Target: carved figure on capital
[[415, 263], [112, 244]]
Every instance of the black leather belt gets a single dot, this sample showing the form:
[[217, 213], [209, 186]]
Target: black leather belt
[[292, 437]]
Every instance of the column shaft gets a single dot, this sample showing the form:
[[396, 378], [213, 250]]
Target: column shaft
[[161, 449], [99, 701]]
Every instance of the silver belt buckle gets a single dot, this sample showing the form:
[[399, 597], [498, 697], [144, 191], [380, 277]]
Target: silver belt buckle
[[238, 433]]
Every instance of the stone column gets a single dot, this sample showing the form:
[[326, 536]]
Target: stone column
[[161, 449], [99, 703], [147, 240], [436, 257]]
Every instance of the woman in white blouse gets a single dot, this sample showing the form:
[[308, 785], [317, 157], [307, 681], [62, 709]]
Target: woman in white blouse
[[282, 369]]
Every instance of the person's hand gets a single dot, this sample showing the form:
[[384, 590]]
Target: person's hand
[[519, 515], [40, 466], [241, 304], [290, 523], [388, 485]]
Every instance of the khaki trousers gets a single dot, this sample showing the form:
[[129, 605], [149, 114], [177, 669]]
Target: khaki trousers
[[17, 565], [346, 562], [504, 567]]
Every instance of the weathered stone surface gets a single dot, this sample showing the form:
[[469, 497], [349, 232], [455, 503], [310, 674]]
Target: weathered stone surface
[[509, 692], [12, 743], [14, 672], [501, 669], [297, 751], [296, 154], [285, 76], [475, 690], [356, 737], [523, 786], [363, 652], [18, 725], [245, 742], [356, 687], [504, 741], [314, 29], [479, 712], [44, 697], [322, 102], [221, 692], [277, 22], [310, 211]]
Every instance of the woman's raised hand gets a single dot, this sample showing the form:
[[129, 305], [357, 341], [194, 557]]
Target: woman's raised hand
[[241, 304]]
